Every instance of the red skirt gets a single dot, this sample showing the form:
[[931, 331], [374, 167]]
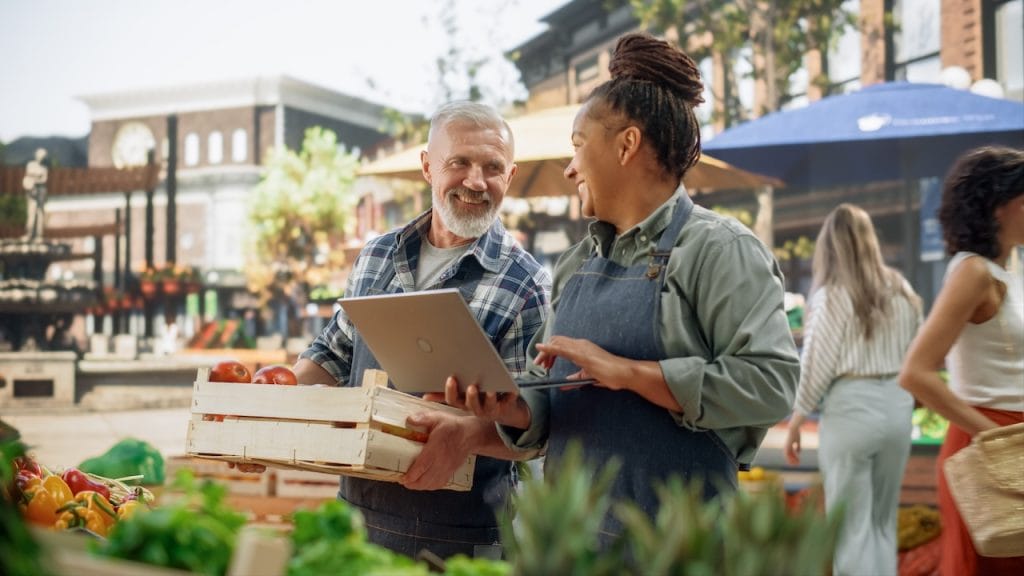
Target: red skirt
[[959, 557]]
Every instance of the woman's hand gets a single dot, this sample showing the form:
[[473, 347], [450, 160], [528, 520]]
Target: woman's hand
[[609, 370], [792, 445]]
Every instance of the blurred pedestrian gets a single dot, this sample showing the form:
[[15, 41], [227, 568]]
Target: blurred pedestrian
[[862, 316], [977, 327]]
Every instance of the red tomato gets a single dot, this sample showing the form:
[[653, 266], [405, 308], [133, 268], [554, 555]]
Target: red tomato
[[275, 375], [230, 371]]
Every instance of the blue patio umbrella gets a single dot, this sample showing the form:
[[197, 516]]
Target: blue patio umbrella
[[888, 131]]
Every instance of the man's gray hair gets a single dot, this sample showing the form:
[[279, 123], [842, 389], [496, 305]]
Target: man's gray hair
[[473, 113]]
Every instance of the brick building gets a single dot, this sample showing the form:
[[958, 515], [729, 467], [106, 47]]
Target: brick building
[[912, 40], [223, 133]]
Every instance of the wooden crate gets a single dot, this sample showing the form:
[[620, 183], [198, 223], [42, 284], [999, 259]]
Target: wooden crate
[[334, 430], [237, 482], [305, 484]]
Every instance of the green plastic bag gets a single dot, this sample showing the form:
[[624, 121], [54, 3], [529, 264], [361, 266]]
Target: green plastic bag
[[129, 457]]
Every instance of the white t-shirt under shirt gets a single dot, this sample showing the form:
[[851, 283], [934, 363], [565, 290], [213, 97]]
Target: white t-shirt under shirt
[[986, 363], [434, 261]]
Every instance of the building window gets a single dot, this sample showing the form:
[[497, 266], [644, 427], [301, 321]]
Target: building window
[[587, 70], [916, 40], [191, 149], [239, 146], [215, 148], [844, 57]]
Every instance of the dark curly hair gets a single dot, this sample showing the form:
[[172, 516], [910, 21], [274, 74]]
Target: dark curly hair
[[657, 86], [980, 181]]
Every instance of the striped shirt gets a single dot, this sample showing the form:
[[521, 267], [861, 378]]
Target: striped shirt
[[508, 292], [834, 344]]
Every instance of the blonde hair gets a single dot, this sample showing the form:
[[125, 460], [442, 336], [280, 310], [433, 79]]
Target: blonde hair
[[847, 255]]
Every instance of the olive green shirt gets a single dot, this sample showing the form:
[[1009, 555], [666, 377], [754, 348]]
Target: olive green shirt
[[731, 361]]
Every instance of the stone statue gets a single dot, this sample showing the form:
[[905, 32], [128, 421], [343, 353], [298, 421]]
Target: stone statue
[[34, 184]]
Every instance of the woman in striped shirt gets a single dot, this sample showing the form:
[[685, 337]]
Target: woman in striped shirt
[[862, 316]]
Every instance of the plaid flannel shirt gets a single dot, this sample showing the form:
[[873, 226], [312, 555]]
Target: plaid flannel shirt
[[510, 299]]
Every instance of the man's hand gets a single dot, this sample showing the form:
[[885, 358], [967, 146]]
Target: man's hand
[[449, 444]]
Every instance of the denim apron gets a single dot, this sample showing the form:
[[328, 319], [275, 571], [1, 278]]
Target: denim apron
[[444, 521], [618, 308]]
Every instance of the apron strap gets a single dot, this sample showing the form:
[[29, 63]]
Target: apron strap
[[660, 254]]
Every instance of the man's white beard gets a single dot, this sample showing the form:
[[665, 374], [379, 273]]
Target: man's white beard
[[459, 222]]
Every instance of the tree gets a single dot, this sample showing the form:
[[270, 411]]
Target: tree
[[302, 211], [778, 34]]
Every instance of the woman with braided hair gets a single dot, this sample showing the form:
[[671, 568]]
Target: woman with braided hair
[[675, 311]]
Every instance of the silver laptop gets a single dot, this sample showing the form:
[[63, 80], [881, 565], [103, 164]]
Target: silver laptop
[[421, 338]]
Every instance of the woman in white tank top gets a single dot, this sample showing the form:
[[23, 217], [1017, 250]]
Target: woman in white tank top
[[977, 327]]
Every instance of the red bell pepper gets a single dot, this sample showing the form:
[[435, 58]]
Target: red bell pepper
[[79, 481]]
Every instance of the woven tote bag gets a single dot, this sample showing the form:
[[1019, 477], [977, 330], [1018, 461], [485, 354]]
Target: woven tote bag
[[986, 480]]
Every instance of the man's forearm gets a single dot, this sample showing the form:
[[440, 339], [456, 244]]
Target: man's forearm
[[309, 372]]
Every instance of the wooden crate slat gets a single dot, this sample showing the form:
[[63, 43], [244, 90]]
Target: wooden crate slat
[[286, 440], [393, 407], [305, 484], [323, 404]]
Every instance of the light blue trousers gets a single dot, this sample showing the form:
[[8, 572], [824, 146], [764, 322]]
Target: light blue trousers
[[863, 449]]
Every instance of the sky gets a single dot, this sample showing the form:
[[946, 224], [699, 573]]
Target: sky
[[383, 50]]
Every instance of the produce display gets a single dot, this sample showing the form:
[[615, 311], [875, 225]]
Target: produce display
[[19, 552], [917, 525], [73, 499], [129, 458]]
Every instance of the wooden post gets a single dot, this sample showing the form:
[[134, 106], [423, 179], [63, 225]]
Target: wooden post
[[171, 185], [373, 378]]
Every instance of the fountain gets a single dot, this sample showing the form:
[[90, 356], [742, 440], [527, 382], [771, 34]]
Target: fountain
[[36, 312]]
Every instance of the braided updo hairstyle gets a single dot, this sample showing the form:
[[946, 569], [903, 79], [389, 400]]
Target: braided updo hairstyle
[[657, 86]]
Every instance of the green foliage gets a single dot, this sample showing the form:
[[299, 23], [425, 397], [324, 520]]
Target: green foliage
[[760, 536], [13, 211], [744, 216], [405, 128], [800, 249], [128, 457], [462, 565], [737, 534], [559, 519], [331, 540], [19, 552], [196, 533], [683, 537], [302, 210], [333, 520], [782, 31]]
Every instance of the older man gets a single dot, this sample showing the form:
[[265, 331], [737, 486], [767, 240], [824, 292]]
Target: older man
[[460, 243]]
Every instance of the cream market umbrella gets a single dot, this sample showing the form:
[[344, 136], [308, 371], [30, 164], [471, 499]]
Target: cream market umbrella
[[543, 148]]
